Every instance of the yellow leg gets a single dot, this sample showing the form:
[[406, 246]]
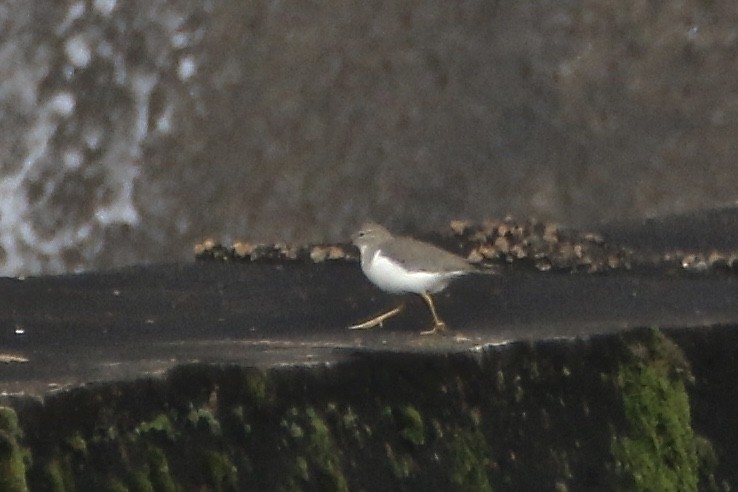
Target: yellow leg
[[438, 324], [378, 320]]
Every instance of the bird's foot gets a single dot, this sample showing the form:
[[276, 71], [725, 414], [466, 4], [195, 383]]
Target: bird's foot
[[438, 328], [377, 320]]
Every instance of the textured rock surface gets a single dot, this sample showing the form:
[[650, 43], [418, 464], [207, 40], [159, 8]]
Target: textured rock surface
[[237, 372], [133, 129], [284, 304], [616, 412]]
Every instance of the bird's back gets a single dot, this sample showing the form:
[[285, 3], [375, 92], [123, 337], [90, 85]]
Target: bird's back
[[419, 256]]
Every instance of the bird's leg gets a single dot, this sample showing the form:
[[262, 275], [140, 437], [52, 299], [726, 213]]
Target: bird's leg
[[438, 325], [378, 320]]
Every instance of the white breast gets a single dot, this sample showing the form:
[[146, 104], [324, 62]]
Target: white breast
[[390, 277]]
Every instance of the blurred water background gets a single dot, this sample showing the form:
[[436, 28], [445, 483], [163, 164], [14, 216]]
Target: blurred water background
[[131, 130]]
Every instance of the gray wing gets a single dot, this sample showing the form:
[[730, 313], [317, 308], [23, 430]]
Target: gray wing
[[424, 256]]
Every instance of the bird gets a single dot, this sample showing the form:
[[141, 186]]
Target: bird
[[400, 265]]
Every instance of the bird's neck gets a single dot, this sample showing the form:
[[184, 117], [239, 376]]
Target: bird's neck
[[368, 255]]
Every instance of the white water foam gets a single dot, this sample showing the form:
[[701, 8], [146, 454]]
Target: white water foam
[[48, 159]]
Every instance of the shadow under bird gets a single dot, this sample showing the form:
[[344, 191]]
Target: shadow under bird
[[400, 265]]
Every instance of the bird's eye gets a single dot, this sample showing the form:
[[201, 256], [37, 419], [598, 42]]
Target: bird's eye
[[362, 233]]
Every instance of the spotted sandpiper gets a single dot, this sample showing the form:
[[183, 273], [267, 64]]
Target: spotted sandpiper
[[401, 265]]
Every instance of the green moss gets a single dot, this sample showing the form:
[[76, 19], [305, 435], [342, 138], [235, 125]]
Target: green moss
[[12, 467], [9, 422], [708, 462], [220, 472], [54, 478], [316, 459], [350, 420], [204, 420], [519, 392], [469, 461], [138, 481], [659, 452], [433, 437], [323, 454], [294, 429], [236, 424], [77, 444], [401, 464], [256, 386], [412, 429], [114, 485], [302, 468], [161, 425], [560, 486], [500, 381], [159, 472], [351, 425]]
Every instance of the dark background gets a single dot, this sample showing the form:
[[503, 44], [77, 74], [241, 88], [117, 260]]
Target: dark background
[[131, 130]]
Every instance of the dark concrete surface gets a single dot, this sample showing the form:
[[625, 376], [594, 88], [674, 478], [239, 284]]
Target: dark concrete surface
[[62, 331]]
